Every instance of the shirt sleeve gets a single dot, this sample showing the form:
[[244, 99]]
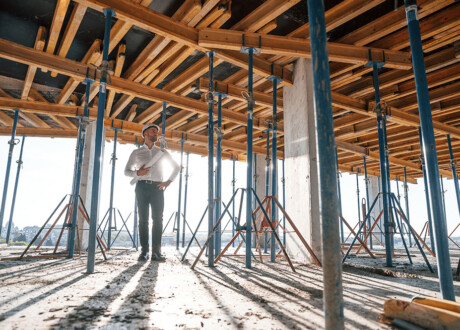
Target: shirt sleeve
[[130, 169], [176, 167]]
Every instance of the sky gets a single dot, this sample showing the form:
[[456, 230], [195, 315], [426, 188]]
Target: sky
[[47, 172]]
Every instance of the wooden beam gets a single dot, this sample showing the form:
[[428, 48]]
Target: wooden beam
[[276, 45], [78, 70], [62, 121], [32, 69], [30, 118], [235, 92], [131, 113], [75, 19], [58, 19], [120, 61]]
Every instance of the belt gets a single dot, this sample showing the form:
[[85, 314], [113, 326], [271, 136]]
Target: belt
[[149, 182]]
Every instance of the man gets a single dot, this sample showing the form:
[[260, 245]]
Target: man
[[146, 166]]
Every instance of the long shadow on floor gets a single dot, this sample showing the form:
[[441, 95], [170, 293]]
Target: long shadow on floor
[[91, 310]]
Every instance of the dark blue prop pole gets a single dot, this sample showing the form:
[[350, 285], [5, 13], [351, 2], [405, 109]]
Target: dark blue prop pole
[[98, 144], [406, 198], [427, 194], [8, 167], [233, 205], [267, 181], [249, 155], [381, 124], [274, 166], [163, 125], [179, 200], [443, 197], [431, 158], [453, 165], [112, 188], [78, 165], [339, 197], [331, 256], [13, 202], [366, 183], [185, 198], [218, 235], [210, 101], [357, 196], [284, 205]]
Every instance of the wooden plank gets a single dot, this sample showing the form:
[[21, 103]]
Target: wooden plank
[[62, 121], [235, 92], [32, 69], [263, 14], [56, 25], [276, 45], [120, 61], [75, 19], [30, 118], [148, 20], [421, 315], [131, 113]]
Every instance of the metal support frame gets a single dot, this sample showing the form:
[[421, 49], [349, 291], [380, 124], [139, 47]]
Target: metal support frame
[[339, 196], [267, 180], [233, 192], [179, 200], [275, 81], [112, 188], [12, 143], [13, 202], [427, 194], [211, 102], [249, 160], [283, 180], [357, 196], [83, 123], [443, 193], [453, 166], [366, 183], [185, 197], [431, 159], [98, 144], [384, 164], [406, 199], [218, 192], [332, 271], [163, 126]]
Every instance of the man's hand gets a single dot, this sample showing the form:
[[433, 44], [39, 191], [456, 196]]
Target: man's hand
[[143, 171], [164, 185]]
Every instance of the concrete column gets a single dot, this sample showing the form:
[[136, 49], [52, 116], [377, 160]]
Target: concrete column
[[373, 192], [87, 181], [301, 166]]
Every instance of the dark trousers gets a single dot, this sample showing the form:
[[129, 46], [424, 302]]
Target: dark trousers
[[148, 194]]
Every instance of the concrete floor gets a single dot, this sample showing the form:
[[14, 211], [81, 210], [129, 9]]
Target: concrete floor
[[126, 294]]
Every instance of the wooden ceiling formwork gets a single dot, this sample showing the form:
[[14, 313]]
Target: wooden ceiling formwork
[[157, 55]]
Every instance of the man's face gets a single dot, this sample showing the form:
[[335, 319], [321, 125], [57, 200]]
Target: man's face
[[151, 134]]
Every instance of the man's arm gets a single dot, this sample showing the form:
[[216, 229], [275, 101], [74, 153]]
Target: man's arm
[[130, 169], [176, 169]]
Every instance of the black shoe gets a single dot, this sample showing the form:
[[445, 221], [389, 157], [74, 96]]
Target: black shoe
[[158, 257], [144, 256]]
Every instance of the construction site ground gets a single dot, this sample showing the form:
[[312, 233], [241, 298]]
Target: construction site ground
[[123, 293]]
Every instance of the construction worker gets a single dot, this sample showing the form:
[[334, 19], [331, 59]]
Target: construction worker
[[146, 165]]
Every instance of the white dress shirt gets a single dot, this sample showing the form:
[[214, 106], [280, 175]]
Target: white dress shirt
[[155, 157]]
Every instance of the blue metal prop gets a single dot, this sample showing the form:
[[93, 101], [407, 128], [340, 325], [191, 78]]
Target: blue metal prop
[[274, 162], [185, 198], [179, 200], [98, 143], [210, 101], [427, 195], [13, 202], [366, 183], [406, 198], [384, 167], [339, 196], [12, 143], [284, 204], [163, 125], [218, 194], [112, 188], [332, 274], [431, 159], [453, 165]]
